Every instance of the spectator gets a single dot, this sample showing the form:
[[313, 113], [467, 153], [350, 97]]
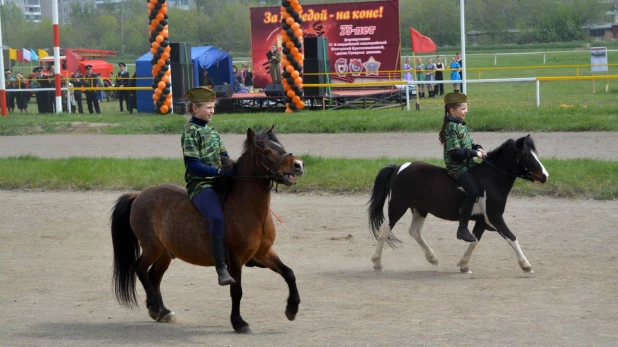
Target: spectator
[[23, 97], [238, 82], [77, 79], [206, 80], [439, 76], [92, 81], [420, 76], [408, 71], [9, 83], [460, 62], [248, 78], [274, 58], [455, 74], [430, 68]]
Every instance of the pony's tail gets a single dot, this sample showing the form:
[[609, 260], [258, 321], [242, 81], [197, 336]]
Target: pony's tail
[[126, 251], [381, 190]]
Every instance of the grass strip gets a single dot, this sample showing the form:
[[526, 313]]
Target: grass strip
[[569, 178]]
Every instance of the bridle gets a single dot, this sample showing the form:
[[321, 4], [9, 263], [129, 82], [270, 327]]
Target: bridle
[[274, 176], [527, 173]]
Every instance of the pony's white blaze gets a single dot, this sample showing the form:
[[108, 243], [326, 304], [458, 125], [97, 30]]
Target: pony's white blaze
[[542, 167], [299, 163], [403, 167]]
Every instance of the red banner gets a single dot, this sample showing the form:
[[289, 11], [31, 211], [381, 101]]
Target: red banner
[[363, 39]]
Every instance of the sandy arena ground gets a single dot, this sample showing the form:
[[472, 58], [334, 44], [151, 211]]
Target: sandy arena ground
[[56, 259]]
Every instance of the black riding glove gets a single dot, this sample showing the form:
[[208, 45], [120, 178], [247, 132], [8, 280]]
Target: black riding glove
[[229, 172]]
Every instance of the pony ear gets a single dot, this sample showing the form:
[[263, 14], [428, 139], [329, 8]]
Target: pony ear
[[250, 134], [270, 131]]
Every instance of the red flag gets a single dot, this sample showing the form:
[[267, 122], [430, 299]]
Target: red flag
[[20, 56], [421, 43], [72, 61]]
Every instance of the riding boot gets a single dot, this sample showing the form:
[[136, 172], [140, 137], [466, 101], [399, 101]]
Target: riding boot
[[217, 246], [464, 217]]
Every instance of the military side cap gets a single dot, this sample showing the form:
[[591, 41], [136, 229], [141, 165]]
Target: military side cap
[[201, 94], [122, 64], [455, 98], [37, 69]]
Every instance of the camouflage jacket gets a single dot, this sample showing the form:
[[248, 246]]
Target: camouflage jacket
[[456, 136], [203, 143]]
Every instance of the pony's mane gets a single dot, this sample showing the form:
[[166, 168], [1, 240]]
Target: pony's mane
[[510, 144], [260, 137]]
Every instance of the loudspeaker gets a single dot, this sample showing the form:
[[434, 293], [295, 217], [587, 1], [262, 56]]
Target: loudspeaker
[[274, 90], [311, 67], [224, 90], [315, 47], [181, 79], [180, 53]]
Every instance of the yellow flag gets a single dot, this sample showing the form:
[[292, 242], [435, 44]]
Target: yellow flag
[[42, 53], [12, 54]]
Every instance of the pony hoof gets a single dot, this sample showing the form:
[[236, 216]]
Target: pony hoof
[[244, 330], [153, 315], [378, 267], [169, 317], [434, 261], [465, 270], [528, 270], [291, 315]]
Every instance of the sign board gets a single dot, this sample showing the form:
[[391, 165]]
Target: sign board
[[363, 39], [598, 59]]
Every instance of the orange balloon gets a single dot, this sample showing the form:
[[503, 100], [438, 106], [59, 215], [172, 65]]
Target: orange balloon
[[285, 39], [298, 80], [158, 91], [155, 45], [160, 17], [160, 62], [294, 73], [295, 26], [289, 44], [155, 97], [289, 69], [161, 85], [298, 32], [285, 62], [284, 13], [294, 51], [168, 102], [160, 38], [295, 99], [164, 109], [165, 33], [300, 85], [300, 105], [286, 86], [163, 10], [291, 93], [165, 79], [168, 73], [167, 49], [153, 51], [150, 6], [289, 110], [289, 20], [165, 56]]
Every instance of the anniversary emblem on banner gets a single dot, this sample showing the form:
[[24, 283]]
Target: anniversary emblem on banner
[[363, 39]]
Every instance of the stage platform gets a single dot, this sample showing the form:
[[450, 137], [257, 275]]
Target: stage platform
[[341, 98]]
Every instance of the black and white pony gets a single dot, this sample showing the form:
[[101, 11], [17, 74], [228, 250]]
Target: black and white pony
[[425, 188]]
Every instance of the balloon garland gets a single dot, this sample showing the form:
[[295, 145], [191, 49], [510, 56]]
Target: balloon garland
[[291, 36], [160, 49]]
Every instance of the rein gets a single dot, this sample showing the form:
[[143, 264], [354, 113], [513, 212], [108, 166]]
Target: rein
[[528, 174]]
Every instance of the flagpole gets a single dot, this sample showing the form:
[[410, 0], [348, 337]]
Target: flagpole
[[418, 102], [2, 81], [57, 55], [462, 25]]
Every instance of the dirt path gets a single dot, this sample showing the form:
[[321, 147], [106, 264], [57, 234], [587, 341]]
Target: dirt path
[[56, 257], [420, 145]]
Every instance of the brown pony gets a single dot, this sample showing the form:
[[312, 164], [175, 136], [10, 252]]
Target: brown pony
[[165, 223]]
